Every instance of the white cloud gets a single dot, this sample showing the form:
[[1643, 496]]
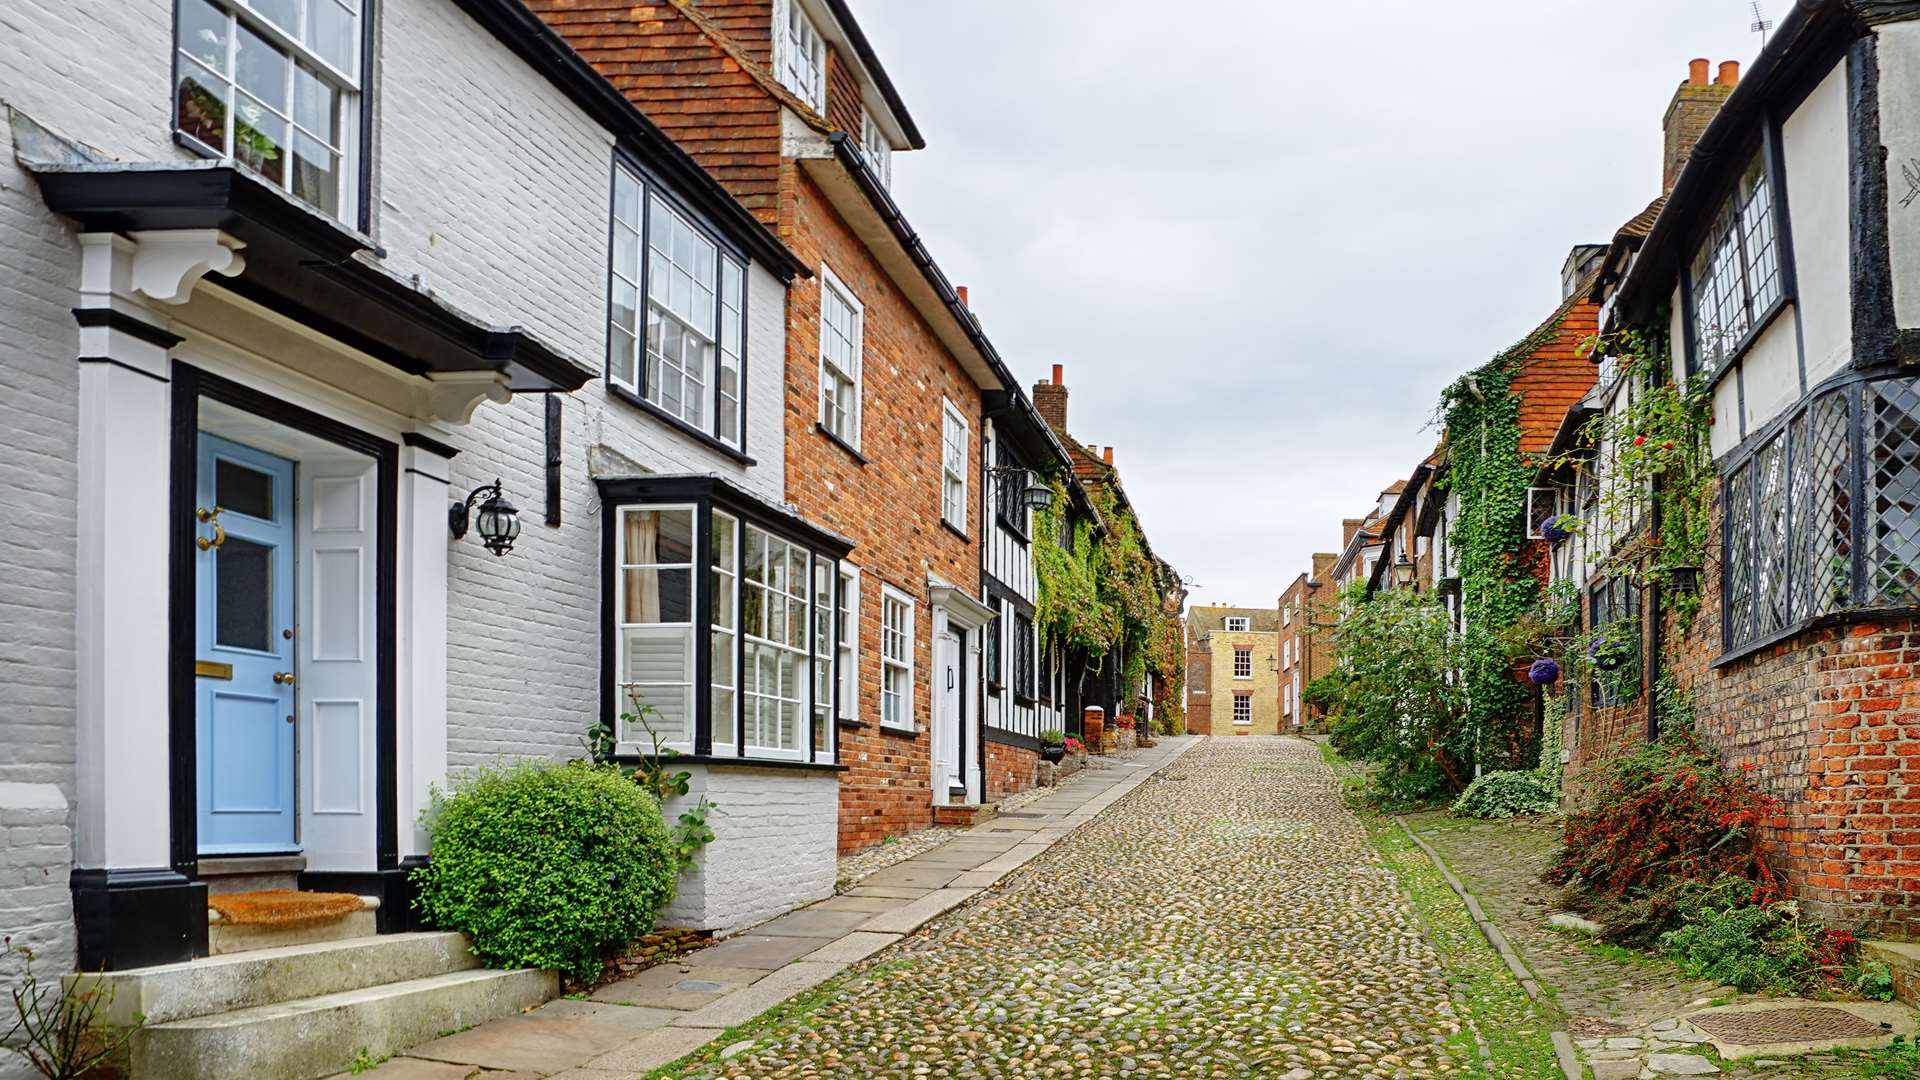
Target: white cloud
[[1262, 236]]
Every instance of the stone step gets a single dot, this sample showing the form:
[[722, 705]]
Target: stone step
[[318, 1036], [224, 937], [244, 980], [963, 815], [1904, 958]]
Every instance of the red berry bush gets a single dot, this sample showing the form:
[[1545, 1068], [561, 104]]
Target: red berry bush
[[1667, 819]]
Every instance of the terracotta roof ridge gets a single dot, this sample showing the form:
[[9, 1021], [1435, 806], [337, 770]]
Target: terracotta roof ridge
[[765, 79]]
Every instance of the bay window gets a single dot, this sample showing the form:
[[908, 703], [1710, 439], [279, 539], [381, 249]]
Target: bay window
[[688, 360], [1823, 511], [275, 86], [736, 661], [847, 636], [878, 151]]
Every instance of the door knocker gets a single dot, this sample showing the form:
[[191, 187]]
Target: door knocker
[[210, 517]]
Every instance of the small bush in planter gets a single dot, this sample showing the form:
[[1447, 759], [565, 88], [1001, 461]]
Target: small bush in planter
[[546, 865], [1075, 746], [1053, 737]]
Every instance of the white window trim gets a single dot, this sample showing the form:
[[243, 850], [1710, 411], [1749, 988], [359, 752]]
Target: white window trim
[[888, 592], [849, 682], [830, 280], [1552, 501], [1237, 699], [803, 720], [348, 84], [876, 148], [783, 12], [949, 413], [1238, 650], [1245, 624], [626, 747]]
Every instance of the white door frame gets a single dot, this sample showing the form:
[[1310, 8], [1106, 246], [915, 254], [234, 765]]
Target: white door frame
[[958, 612]]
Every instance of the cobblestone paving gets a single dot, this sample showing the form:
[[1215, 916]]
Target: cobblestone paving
[[1228, 919]]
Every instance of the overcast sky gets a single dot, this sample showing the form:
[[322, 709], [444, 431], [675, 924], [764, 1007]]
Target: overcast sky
[[1264, 234]]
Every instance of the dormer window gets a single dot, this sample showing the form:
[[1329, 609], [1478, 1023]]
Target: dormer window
[[1236, 624], [874, 144], [802, 64], [274, 86]]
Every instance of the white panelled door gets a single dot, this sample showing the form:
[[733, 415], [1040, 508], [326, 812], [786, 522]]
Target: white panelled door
[[337, 661], [950, 730]]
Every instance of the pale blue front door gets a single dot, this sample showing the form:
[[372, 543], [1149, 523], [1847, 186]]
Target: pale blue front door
[[244, 649]]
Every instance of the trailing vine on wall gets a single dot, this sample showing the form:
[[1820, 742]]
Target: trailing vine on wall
[[1481, 418], [1656, 445]]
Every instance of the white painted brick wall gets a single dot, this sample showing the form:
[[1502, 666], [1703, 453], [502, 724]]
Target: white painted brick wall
[[493, 189], [774, 842]]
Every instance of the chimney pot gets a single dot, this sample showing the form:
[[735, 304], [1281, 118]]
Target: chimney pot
[[1106, 454], [1059, 374], [961, 291], [1729, 73], [1697, 71]]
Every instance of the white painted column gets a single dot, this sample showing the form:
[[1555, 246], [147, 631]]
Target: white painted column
[[122, 818], [422, 538]]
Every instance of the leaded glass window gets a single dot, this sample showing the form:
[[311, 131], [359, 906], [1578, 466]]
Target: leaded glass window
[[1735, 272]]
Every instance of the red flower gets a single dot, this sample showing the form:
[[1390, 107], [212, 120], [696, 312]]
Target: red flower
[[1639, 439]]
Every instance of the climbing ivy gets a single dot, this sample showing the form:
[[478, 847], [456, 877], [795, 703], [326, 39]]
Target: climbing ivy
[[1099, 590], [1498, 584]]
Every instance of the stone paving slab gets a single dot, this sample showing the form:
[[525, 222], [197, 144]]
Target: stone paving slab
[[755, 951], [666, 1012]]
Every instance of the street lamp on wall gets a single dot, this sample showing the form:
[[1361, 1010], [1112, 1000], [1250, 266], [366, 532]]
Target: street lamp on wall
[[1036, 495], [498, 519], [1403, 571]]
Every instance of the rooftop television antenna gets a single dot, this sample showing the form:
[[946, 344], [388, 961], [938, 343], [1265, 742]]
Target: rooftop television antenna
[[1761, 24]]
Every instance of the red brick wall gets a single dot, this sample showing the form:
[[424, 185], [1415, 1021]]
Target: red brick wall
[[889, 508], [1829, 721], [1010, 770]]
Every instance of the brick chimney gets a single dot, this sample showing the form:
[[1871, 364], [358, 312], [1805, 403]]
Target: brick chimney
[[1050, 399], [1692, 108], [1106, 454], [1349, 528]]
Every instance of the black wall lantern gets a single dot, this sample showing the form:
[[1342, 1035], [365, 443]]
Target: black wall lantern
[[499, 520], [1036, 494]]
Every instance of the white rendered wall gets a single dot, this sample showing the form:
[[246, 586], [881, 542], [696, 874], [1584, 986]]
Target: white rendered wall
[[1899, 49], [1814, 143], [774, 848]]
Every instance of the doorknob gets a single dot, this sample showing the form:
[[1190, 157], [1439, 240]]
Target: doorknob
[[285, 678]]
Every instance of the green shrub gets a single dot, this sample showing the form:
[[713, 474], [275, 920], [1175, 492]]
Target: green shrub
[[1727, 937], [1901, 1061], [546, 865], [1509, 794]]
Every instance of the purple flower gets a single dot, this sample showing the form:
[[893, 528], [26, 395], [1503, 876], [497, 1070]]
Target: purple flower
[[1544, 672], [1553, 530]]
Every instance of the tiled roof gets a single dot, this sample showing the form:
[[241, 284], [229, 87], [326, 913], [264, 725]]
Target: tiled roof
[[1638, 226], [1555, 376]]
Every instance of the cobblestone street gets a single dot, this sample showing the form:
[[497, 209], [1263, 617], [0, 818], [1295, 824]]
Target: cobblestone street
[[1229, 919]]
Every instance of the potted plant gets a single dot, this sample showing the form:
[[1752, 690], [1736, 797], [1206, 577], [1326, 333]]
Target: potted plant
[[1613, 645], [1053, 745], [1557, 528], [1075, 747], [1543, 672]]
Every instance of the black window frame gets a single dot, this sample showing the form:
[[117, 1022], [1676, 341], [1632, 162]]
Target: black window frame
[[1024, 659], [991, 646], [652, 184], [706, 494], [1009, 494], [1765, 146], [1806, 453]]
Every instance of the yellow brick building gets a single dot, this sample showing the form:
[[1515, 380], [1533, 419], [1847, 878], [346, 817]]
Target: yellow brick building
[[1234, 670]]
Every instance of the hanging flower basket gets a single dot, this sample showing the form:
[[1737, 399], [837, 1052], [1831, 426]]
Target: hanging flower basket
[[1543, 672], [1555, 529]]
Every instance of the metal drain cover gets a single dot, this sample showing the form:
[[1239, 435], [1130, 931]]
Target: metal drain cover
[[1760, 1027]]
